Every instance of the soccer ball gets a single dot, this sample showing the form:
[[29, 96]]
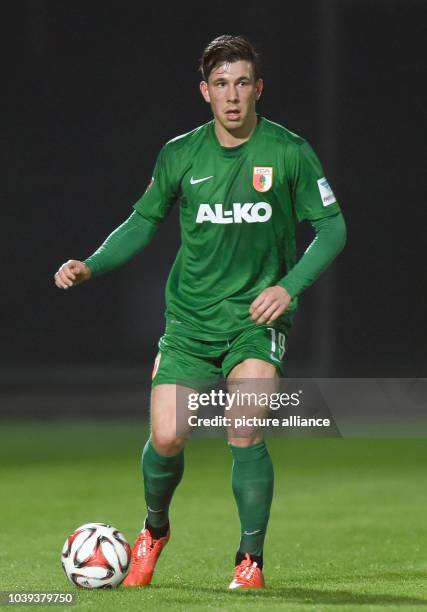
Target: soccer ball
[[96, 556]]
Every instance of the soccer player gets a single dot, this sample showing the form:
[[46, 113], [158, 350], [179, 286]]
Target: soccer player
[[242, 183]]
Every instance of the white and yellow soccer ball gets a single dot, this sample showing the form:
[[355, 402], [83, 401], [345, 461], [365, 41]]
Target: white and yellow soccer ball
[[96, 556]]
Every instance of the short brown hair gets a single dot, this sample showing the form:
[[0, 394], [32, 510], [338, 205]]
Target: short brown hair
[[228, 49]]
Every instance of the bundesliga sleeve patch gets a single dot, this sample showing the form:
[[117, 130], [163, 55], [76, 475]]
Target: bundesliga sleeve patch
[[150, 183], [326, 192]]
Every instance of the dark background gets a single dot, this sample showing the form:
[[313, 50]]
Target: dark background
[[92, 90]]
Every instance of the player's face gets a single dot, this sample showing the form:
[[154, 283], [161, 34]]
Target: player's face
[[232, 92]]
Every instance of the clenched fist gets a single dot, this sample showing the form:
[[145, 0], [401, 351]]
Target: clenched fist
[[270, 304], [72, 273]]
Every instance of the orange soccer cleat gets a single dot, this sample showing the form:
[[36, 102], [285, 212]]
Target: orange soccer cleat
[[145, 554], [247, 575]]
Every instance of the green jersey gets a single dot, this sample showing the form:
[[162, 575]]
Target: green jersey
[[239, 208]]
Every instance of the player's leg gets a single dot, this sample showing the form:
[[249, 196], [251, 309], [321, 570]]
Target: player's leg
[[252, 474], [179, 359], [162, 458], [162, 467], [186, 361]]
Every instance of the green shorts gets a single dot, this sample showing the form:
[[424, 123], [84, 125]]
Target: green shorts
[[181, 358]]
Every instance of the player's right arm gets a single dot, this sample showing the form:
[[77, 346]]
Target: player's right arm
[[133, 235], [122, 244]]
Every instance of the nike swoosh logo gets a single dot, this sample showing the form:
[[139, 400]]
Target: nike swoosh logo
[[194, 181], [154, 511], [251, 532]]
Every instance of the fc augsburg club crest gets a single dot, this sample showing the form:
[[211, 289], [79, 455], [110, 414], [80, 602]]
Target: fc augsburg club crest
[[263, 178]]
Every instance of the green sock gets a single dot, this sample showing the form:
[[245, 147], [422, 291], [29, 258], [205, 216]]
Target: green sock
[[252, 482], [161, 477]]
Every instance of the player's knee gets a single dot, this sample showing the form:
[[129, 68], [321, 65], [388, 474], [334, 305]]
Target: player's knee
[[254, 369], [247, 440], [167, 443]]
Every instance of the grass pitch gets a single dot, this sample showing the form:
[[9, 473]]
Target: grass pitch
[[348, 527]]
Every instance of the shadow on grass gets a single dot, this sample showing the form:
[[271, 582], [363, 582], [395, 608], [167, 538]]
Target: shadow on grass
[[299, 595]]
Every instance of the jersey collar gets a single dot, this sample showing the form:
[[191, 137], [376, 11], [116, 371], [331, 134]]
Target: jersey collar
[[233, 151]]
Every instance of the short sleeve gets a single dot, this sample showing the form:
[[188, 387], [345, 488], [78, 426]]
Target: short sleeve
[[312, 195], [162, 191]]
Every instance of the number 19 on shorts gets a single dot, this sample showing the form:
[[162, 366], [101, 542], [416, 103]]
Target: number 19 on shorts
[[278, 342]]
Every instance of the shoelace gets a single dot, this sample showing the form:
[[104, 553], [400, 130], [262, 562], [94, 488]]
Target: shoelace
[[247, 569], [144, 545]]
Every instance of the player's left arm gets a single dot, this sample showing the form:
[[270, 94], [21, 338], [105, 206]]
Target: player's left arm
[[313, 200], [328, 242]]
